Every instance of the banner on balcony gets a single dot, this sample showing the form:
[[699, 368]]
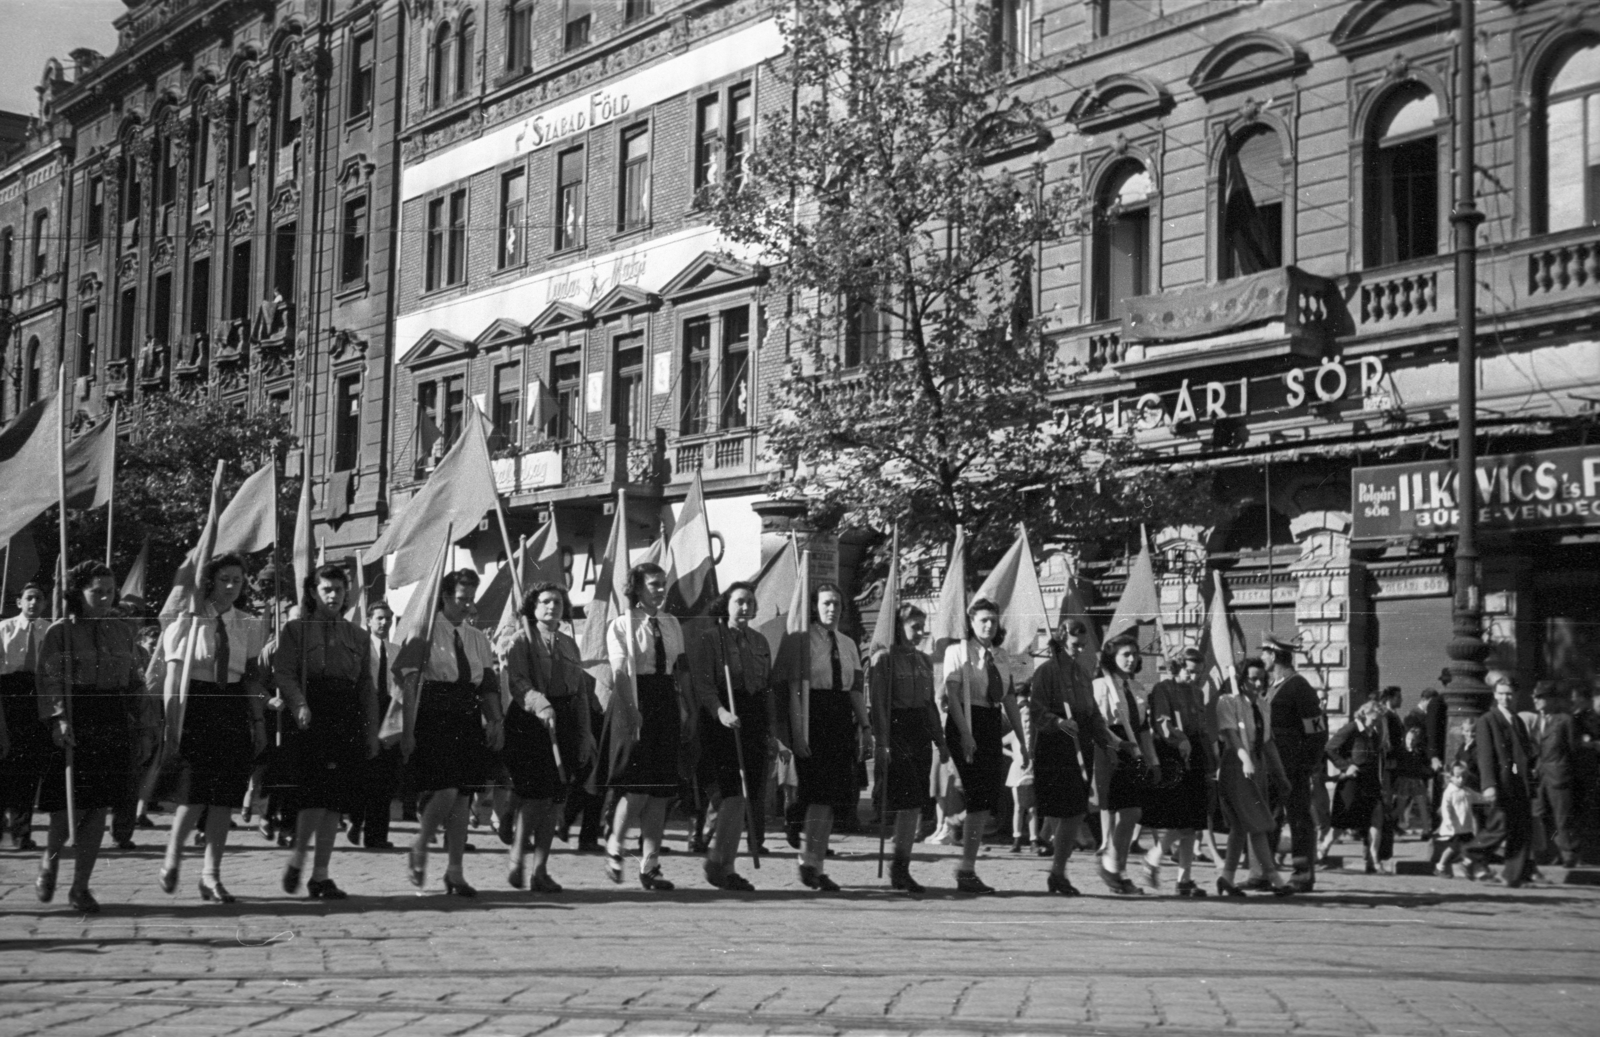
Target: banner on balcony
[[527, 471], [1208, 309], [1542, 489]]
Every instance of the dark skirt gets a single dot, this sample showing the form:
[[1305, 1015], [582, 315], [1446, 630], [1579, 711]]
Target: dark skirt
[[1244, 801], [529, 761], [1058, 786], [722, 752], [910, 758], [30, 742], [1354, 799], [1181, 800], [102, 762], [828, 775], [329, 756], [652, 767], [451, 751], [1130, 786], [216, 753], [984, 775]]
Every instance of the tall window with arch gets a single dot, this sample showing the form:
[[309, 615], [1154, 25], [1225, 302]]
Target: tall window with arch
[[1252, 203], [33, 384], [1568, 144], [1121, 238], [1402, 181], [466, 50], [439, 60]]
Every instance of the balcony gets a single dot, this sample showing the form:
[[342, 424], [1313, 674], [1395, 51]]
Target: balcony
[[189, 359], [1401, 298], [714, 454], [584, 468], [153, 366], [118, 381], [231, 338], [1092, 349]]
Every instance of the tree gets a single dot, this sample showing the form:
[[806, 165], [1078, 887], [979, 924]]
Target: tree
[[905, 253]]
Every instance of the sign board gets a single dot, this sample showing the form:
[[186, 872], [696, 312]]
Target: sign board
[[1542, 489]]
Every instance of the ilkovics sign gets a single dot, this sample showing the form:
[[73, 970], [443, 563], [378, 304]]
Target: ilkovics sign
[[1543, 489]]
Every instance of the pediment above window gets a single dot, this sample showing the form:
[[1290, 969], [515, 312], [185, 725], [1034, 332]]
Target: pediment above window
[[437, 347], [1246, 60], [712, 272], [503, 332], [1003, 135], [558, 316], [1118, 99], [624, 299], [1377, 24]]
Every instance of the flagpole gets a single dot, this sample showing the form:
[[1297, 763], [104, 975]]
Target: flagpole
[[413, 700], [5, 578], [61, 589], [111, 494], [738, 748]]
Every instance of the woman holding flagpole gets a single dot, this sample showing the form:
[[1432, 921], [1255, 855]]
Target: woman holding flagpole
[[216, 725], [905, 725], [1132, 755], [1069, 726], [89, 683], [977, 693], [1177, 714], [831, 731], [1249, 765], [551, 696], [324, 675], [646, 645]]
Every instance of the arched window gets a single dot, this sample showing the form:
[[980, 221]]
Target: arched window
[[1252, 203], [1121, 238], [465, 37], [1402, 188], [35, 373], [440, 58], [1569, 145], [8, 254]]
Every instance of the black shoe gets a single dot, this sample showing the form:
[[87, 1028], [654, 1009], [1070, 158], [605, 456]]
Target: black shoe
[[45, 885], [1303, 884], [1285, 890], [545, 884], [144, 822], [220, 894], [169, 880], [1228, 889], [291, 879], [813, 878], [379, 844], [1016, 846], [737, 883], [968, 882], [1189, 889], [792, 832], [83, 901], [458, 887], [417, 867], [1059, 884], [516, 877], [506, 828], [126, 844], [900, 878], [353, 835], [652, 880], [324, 889], [614, 867], [1258, 884]]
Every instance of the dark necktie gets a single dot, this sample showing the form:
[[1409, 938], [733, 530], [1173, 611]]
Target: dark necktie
[[463, 667], [736, 662], [221, 658], [30, 658], [557, 684], [381, 678], [660, 648], [835, 666], [991, 674]]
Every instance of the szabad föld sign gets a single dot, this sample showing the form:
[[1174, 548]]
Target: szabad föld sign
[[1543, 489]]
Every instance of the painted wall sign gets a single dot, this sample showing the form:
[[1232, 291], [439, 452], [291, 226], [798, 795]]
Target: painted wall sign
[[1543, 489], [1330, 381]]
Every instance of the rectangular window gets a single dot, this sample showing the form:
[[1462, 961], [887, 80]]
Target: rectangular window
[[88, 340], [428, 432], [566, 378], [630, 399], [578, 22], [347, 424], [433, 275], [735, 367], [289, 109], [1008, 34], [1120, 15], [41, 242], [244, 143], [633, 207], [95, 219], [633, 10], [1408, 200], [741, 116], [8, 250], [239, 293], [353, 259], [707, 143], [127, 323], [866, 336], [284, 261], [162, 330], [569, 199], [361, 75], [513, 200], [519, 36], [506, 408], [200, 296], [456, 271], [696, 376], [167, 169], [455, 408], [204, 157], [1122, 261]]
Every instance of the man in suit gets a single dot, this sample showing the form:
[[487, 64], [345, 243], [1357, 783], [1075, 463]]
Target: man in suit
[[370, 819], [1586, 724], [1555, 736], [1300, 730], [1506, 759]]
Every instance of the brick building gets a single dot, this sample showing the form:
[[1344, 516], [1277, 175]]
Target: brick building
[[556, 267]]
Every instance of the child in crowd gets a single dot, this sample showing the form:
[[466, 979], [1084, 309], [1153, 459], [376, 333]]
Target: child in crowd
[[1024, 818], [1413, 806], [1457, 824]]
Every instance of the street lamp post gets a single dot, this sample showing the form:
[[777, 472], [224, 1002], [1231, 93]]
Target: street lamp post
[[1466, 693]]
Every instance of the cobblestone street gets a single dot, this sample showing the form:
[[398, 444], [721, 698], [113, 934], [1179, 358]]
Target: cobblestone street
[[1381, 954]]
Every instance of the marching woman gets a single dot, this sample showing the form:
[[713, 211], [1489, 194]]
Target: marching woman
[[905, 726], [1130, 758], [1062, 708], [551, 696], [89, 680], [828, 739], [323, 671], [733, 653], [1180, 810], [444, 739], [1364, 751], [647, 645], [977, 687], [1249, 759], [218, 731]]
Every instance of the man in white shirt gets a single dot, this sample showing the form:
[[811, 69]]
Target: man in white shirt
[[20, 771], [369, 821]]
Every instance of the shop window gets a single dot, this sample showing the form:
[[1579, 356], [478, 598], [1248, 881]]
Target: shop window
[[569, 199], [34, 383], [630, 399], [696, 376], [1121, 239], [1568, 148], [347, 424], [353, 242], [513, 202], [439, 59], [1252, 203], [566, 370], [633, 203], [735, 368], [1402, 182], [519, 36], [361, 76], [466, 40], [505, 415], [1008, 33]]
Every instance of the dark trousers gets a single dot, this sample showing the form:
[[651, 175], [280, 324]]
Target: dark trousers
[[381, 782], [1301, 768], [1556, 807], [1508, 824]]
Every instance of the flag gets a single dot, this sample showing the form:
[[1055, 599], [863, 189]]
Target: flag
[[656, 553], [456, 496], [357, 613], [1224, 645], [1075, 607], [949, 622], [542, 407], [1014, 587], [888, 605], [181, 599], [303, 558], [29, 456], [778, 595], [1141, 600], [610, 591], [133, 585], [91, 461], [540, 562], [250, 522], [691, 575], [416, 626], [22, 565]]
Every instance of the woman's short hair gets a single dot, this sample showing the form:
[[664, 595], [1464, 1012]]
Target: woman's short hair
[[1109, 650], [308, 591], [825, 587], [459, 578], [531, 598], [985, 605], [719, 608], [1495, 678], [636, 577], [79, 578], [208, 575], [903, 615]]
